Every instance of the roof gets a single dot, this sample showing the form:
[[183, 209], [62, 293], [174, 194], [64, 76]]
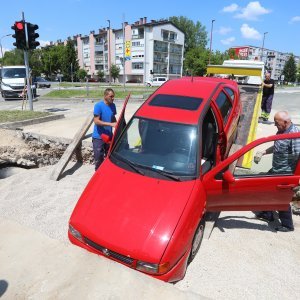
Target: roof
[[191, 87]]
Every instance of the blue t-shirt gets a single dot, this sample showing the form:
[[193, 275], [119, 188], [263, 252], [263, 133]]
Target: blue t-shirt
[[106, 113]]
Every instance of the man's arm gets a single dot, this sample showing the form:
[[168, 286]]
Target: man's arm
[[99, 122], [260, 154]]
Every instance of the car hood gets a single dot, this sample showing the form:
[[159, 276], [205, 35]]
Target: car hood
[[131, 214]]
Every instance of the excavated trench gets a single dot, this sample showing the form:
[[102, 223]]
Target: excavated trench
[[25, 150]]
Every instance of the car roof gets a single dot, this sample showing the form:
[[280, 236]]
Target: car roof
[[190, 87]]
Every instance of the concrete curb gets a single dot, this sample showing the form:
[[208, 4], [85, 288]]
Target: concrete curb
[[17, 124]]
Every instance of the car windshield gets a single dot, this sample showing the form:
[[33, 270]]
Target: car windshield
[[159, 146], [14, 73]]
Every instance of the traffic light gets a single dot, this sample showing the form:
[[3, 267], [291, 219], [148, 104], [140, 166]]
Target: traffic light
[[32, 35], [20, 36]]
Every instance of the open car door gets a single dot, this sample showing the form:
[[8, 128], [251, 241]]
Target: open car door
[[120, 125], [258, 188]]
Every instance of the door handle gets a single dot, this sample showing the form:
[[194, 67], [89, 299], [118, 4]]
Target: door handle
[[285, 186]]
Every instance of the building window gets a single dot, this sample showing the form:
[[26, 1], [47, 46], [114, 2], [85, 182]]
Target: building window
[[137, 65], [168, 35]]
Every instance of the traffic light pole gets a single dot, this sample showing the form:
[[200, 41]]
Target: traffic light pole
[[26, 60], [28, 80]]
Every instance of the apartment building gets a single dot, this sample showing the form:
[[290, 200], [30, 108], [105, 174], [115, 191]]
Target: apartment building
[[142, 50], [274, 60]]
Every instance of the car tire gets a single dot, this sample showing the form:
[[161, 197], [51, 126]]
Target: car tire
[[148, 84], [197, 240]]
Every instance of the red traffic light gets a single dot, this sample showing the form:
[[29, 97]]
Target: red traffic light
[[20, 25]]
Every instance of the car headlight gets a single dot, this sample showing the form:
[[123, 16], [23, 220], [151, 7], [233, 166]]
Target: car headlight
[[153, 268], [75, 233]]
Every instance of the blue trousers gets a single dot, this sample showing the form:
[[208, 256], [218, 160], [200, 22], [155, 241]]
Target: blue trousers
[[285, 217], [100, 151]]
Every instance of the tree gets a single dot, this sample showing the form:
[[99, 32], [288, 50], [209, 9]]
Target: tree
[[100, 75], [69, 63], [81, 74], [196, 61], [217, 58], [114, 71], [13, 58], [290, 69], [298, 73], [195, 33]]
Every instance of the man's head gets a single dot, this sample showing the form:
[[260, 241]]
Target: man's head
[[282, 120], [267, 76], [109, 96]]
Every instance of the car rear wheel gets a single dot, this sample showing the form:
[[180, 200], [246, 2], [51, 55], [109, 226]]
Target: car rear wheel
[[148, 84], [197, 240]]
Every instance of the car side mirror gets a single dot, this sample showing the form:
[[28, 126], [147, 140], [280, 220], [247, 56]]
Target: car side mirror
[[228, 177]]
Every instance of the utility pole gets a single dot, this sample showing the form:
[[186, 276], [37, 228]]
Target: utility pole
[[211, 32], [262, 47], [123, 60], [1, 47], [108, 48]]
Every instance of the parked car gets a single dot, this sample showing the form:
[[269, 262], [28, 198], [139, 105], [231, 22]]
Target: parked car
[[157, 81], [134, 81], [145, 205], [41, 82]]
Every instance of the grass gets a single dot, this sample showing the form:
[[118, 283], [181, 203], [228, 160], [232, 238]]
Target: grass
[[97, 93], [20, 115]]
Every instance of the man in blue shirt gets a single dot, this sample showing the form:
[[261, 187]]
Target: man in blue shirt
[[104, 120], [285, 158]]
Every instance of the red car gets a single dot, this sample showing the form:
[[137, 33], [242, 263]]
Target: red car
[[144, 207]]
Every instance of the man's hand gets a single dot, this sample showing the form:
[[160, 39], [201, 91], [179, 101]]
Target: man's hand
[[258, 157], [114, 124]]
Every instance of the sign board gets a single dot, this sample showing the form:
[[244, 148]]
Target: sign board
[[127, 50], [242, 52]]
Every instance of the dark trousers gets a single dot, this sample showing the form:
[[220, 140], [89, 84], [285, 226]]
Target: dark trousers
[[100, 151], [285, 217], [266, 103]]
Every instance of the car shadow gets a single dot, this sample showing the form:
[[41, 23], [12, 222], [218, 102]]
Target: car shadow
[[241, 222]]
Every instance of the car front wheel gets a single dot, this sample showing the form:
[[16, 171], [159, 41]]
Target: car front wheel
[[197, 240]]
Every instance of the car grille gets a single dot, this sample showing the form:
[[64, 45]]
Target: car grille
[[19, 87], [109, 253]]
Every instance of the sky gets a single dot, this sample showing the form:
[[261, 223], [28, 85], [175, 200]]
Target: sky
[[237, 23]]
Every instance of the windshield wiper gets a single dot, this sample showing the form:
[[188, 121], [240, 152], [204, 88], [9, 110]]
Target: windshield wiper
[[129, 163], [162, 172]]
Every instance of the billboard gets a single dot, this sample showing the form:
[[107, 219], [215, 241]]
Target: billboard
[[242, 52]]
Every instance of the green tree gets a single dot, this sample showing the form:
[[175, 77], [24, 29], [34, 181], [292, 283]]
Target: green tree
[[81, 74], [114, 71], [69, 62], [290, 69], [100, 75], [13, 58], [217, 58], [195, 33], [196, 61], [298, 72]]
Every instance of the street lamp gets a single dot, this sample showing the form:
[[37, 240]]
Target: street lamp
[[211, 31], [108, 48], [1, 46], [262, 48]]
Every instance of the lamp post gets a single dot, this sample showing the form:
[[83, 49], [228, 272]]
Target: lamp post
[[211, 31], [1, 46], [108, 48], [262, 48]]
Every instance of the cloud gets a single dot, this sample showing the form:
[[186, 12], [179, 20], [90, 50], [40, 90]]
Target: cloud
[[252, 11], [228, 41], [224, 30], [294, 19], [250, 33], [231, 8]]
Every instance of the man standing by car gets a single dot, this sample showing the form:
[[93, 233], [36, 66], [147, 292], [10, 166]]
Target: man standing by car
[[267, 97], [104, 120], [285, 158]]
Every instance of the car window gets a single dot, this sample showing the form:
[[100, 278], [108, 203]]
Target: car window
[[224, 105], [161, 79], [230, 93], [154, 144]]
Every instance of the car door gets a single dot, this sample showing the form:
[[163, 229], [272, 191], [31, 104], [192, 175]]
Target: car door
[[257, 188]]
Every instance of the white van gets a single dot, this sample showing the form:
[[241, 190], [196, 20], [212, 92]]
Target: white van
[[13, 79], [157, 81]]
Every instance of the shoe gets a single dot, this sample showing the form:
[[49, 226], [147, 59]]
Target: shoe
[[284, 229], [265, 119], [263, 217]]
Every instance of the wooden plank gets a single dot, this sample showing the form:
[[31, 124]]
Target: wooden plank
[[212, 217], [76, 143]]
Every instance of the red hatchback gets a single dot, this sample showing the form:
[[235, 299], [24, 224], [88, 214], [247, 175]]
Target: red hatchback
[[145, 205]]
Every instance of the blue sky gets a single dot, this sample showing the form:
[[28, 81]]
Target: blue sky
[[236, 23]]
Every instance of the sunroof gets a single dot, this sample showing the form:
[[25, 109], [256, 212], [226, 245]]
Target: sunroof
[[171, 101]]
